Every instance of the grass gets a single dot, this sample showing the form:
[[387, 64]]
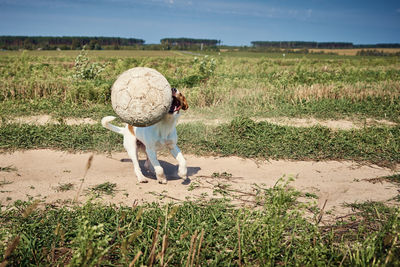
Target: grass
[[394, 178], [242, 137], [246, 138], [212, 233]]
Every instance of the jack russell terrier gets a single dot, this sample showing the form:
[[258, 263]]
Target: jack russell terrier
[[153, 138]]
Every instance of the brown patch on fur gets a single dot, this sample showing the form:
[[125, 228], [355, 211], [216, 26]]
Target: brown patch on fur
[[182, 99], [130, 128]]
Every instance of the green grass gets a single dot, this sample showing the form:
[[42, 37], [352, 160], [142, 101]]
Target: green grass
[[64, 137], [211, 233], [322, 109], [246, 138], [242, 137], [394, 178], [55, 108]]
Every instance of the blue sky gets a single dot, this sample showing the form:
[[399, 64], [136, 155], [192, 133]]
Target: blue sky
[[233, 22]]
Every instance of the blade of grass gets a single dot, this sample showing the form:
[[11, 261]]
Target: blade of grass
[[88, 165]]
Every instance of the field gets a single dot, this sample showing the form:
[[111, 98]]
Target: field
[[293, 159]]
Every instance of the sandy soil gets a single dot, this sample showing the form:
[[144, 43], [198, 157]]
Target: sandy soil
[[38, 174]]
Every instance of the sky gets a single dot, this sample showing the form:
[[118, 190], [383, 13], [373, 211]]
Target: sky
[[234, 22]]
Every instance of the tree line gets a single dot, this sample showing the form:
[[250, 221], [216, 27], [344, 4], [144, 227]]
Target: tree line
[[65, 42], [97, 43], [322, 45]]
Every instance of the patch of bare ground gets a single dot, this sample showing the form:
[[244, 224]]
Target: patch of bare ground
[[47, 119], [41, 174], [343, 124]]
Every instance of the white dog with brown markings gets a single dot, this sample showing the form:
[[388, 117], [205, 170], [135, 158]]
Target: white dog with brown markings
[[153, 138]]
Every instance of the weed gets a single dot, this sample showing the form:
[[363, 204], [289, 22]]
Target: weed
[[223, 175], [86, 70], [311, 195], [9, 168], [64, 187], [5, 182], [90, 244], [193, 186], [106, 188]]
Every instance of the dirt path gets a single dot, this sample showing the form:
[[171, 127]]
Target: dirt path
[[342, 124], [38, 174]]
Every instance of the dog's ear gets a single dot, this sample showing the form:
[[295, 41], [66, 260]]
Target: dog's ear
[[182, 100]]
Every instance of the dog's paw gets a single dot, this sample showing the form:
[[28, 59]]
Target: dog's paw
[[162, 181], [142, 180], [160, 175]]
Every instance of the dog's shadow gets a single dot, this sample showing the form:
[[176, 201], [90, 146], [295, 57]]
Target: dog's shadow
[[170, 170]]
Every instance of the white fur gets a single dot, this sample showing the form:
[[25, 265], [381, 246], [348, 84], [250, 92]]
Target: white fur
[[154, 137]]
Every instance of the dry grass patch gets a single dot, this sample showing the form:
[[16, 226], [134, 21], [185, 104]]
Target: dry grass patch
[[359, 91], [353, 52]]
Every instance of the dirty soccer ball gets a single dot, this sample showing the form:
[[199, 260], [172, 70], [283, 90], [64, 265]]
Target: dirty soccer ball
[[141, 96]]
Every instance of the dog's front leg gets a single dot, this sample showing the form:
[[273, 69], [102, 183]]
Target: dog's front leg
[[182, 170], [152, 154]]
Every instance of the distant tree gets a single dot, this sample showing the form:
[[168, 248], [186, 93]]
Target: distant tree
[[75, 44], [300, 44], [189, 44], [27, 44]]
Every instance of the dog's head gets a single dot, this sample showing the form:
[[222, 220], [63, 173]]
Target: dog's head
[[178, 102]]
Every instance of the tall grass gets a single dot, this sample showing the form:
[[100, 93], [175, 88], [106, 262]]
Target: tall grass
[[253, 85]]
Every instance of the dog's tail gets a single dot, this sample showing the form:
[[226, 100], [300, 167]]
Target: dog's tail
[[106, 122]]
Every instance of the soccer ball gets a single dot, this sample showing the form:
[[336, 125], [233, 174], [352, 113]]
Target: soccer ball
[[141, 96]]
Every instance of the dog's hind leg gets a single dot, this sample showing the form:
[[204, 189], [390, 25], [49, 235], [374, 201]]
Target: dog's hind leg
[[131, 147]]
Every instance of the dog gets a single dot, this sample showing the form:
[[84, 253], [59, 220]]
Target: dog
[[153, 138]]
